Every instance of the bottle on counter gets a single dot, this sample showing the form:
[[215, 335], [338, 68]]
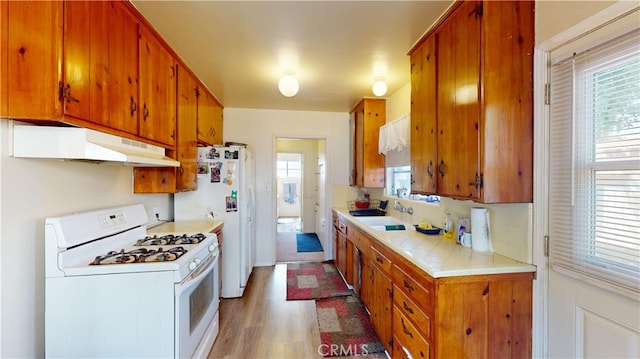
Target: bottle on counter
[[447, 226]]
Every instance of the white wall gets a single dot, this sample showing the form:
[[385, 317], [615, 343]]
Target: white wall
[[259, 129], [32, 190]]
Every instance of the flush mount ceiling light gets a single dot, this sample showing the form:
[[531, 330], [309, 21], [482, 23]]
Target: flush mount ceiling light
[[379, 88], [288, 86]]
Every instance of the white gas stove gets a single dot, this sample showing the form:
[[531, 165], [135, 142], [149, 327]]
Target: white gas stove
[[113, 291]]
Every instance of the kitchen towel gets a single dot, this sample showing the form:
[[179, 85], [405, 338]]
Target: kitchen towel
[[480, 230]]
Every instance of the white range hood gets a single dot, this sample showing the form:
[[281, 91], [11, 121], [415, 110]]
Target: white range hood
[[81, 144]]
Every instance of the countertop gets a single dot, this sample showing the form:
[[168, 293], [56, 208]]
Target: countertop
[[185, 227], [438, 256]]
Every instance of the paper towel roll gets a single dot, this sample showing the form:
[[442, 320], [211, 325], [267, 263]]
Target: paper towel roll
[[480, 230]]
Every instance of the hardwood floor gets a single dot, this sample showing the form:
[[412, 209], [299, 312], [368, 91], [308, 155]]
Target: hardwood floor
[[262, 324]]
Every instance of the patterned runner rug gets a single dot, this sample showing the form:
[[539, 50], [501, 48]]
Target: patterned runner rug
[[314, 280], [345, 328]]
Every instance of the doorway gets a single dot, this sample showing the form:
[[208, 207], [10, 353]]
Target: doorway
[[300, 164]]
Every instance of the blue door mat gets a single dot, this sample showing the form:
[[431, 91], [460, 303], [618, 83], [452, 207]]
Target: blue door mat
[[308, 242]]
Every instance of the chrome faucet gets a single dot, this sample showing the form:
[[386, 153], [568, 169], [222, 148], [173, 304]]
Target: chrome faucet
[[402, 209]]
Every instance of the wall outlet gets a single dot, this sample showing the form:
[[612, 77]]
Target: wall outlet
[[156, 213]]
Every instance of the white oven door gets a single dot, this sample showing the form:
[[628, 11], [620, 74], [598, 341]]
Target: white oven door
[[197, 299]]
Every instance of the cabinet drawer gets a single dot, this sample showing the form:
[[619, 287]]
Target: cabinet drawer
[[342, 227], [412, 311], [409, 341], [414, 290], [381, 261]]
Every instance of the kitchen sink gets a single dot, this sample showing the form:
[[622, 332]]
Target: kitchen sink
[[385, 223]]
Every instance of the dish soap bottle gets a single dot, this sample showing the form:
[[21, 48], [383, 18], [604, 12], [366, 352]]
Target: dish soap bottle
[[447, 226]]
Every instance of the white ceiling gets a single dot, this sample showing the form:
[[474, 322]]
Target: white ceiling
[[240, 49]]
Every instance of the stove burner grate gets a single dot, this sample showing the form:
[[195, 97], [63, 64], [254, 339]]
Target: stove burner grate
[[171, 239], [139, 255]]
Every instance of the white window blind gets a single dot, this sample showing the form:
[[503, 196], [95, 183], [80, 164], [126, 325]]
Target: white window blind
[[594, 184]]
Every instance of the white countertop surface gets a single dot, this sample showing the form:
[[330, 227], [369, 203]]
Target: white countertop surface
[[441, 257], [185, 227]]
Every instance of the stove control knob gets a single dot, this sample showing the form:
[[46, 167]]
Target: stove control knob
[[212, 248], [197, 260], [192, 265]]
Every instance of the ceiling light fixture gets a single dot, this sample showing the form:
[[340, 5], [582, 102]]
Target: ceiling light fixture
[[288, 86], [379, 88]]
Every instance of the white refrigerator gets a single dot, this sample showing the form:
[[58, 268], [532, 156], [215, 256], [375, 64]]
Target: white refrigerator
[[226, 182]]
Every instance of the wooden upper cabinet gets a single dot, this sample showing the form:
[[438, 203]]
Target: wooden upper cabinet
[[507, 104], [123, 68], [86, 61], [157, 117], [484, 104], [186, 144], [458, 102], [209, 119], [367, 164], [424, 123], [31, 52]]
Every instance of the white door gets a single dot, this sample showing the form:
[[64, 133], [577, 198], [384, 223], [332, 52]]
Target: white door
[[594, 199]]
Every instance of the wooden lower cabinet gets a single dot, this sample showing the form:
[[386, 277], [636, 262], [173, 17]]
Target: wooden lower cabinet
[[407, 340], [418, 316], [381, 301]]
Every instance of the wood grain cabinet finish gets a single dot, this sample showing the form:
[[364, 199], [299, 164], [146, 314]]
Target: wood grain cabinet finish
[[381, 300], [482, 105], [367, 165], [187, 119], [100, 77], [210, 119], [424, 126], [157, 90], [31, 54], [418, 316]]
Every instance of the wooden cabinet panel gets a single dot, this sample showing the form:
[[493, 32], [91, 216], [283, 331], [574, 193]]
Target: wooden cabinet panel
[[34, 48], [381, 304], [209, 118], [86, 61], [381, 261], [409, 284], [409, 338], [484, 102], [186, 144], [157, 90], [458, 102], [412, 311], [123, 68], [424, 125], [368, 165], [507, 81]]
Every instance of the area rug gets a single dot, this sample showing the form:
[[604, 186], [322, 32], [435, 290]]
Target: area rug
[[308, 242], [314, 280], [345, 328]]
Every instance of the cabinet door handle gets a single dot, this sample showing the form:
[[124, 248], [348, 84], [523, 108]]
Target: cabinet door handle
[[65, 93], [406, 307], [379, 260], [133, 106], [145, 111], [404, 328], [442, 169], [408, 286], [430, 169]]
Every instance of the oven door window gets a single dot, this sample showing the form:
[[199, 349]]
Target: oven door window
[[200, 300]]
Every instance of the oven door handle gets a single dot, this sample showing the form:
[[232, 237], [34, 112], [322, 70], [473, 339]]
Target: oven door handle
[[194, 278]]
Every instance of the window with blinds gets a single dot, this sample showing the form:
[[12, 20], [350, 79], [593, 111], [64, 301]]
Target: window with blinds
[[594, 184]]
